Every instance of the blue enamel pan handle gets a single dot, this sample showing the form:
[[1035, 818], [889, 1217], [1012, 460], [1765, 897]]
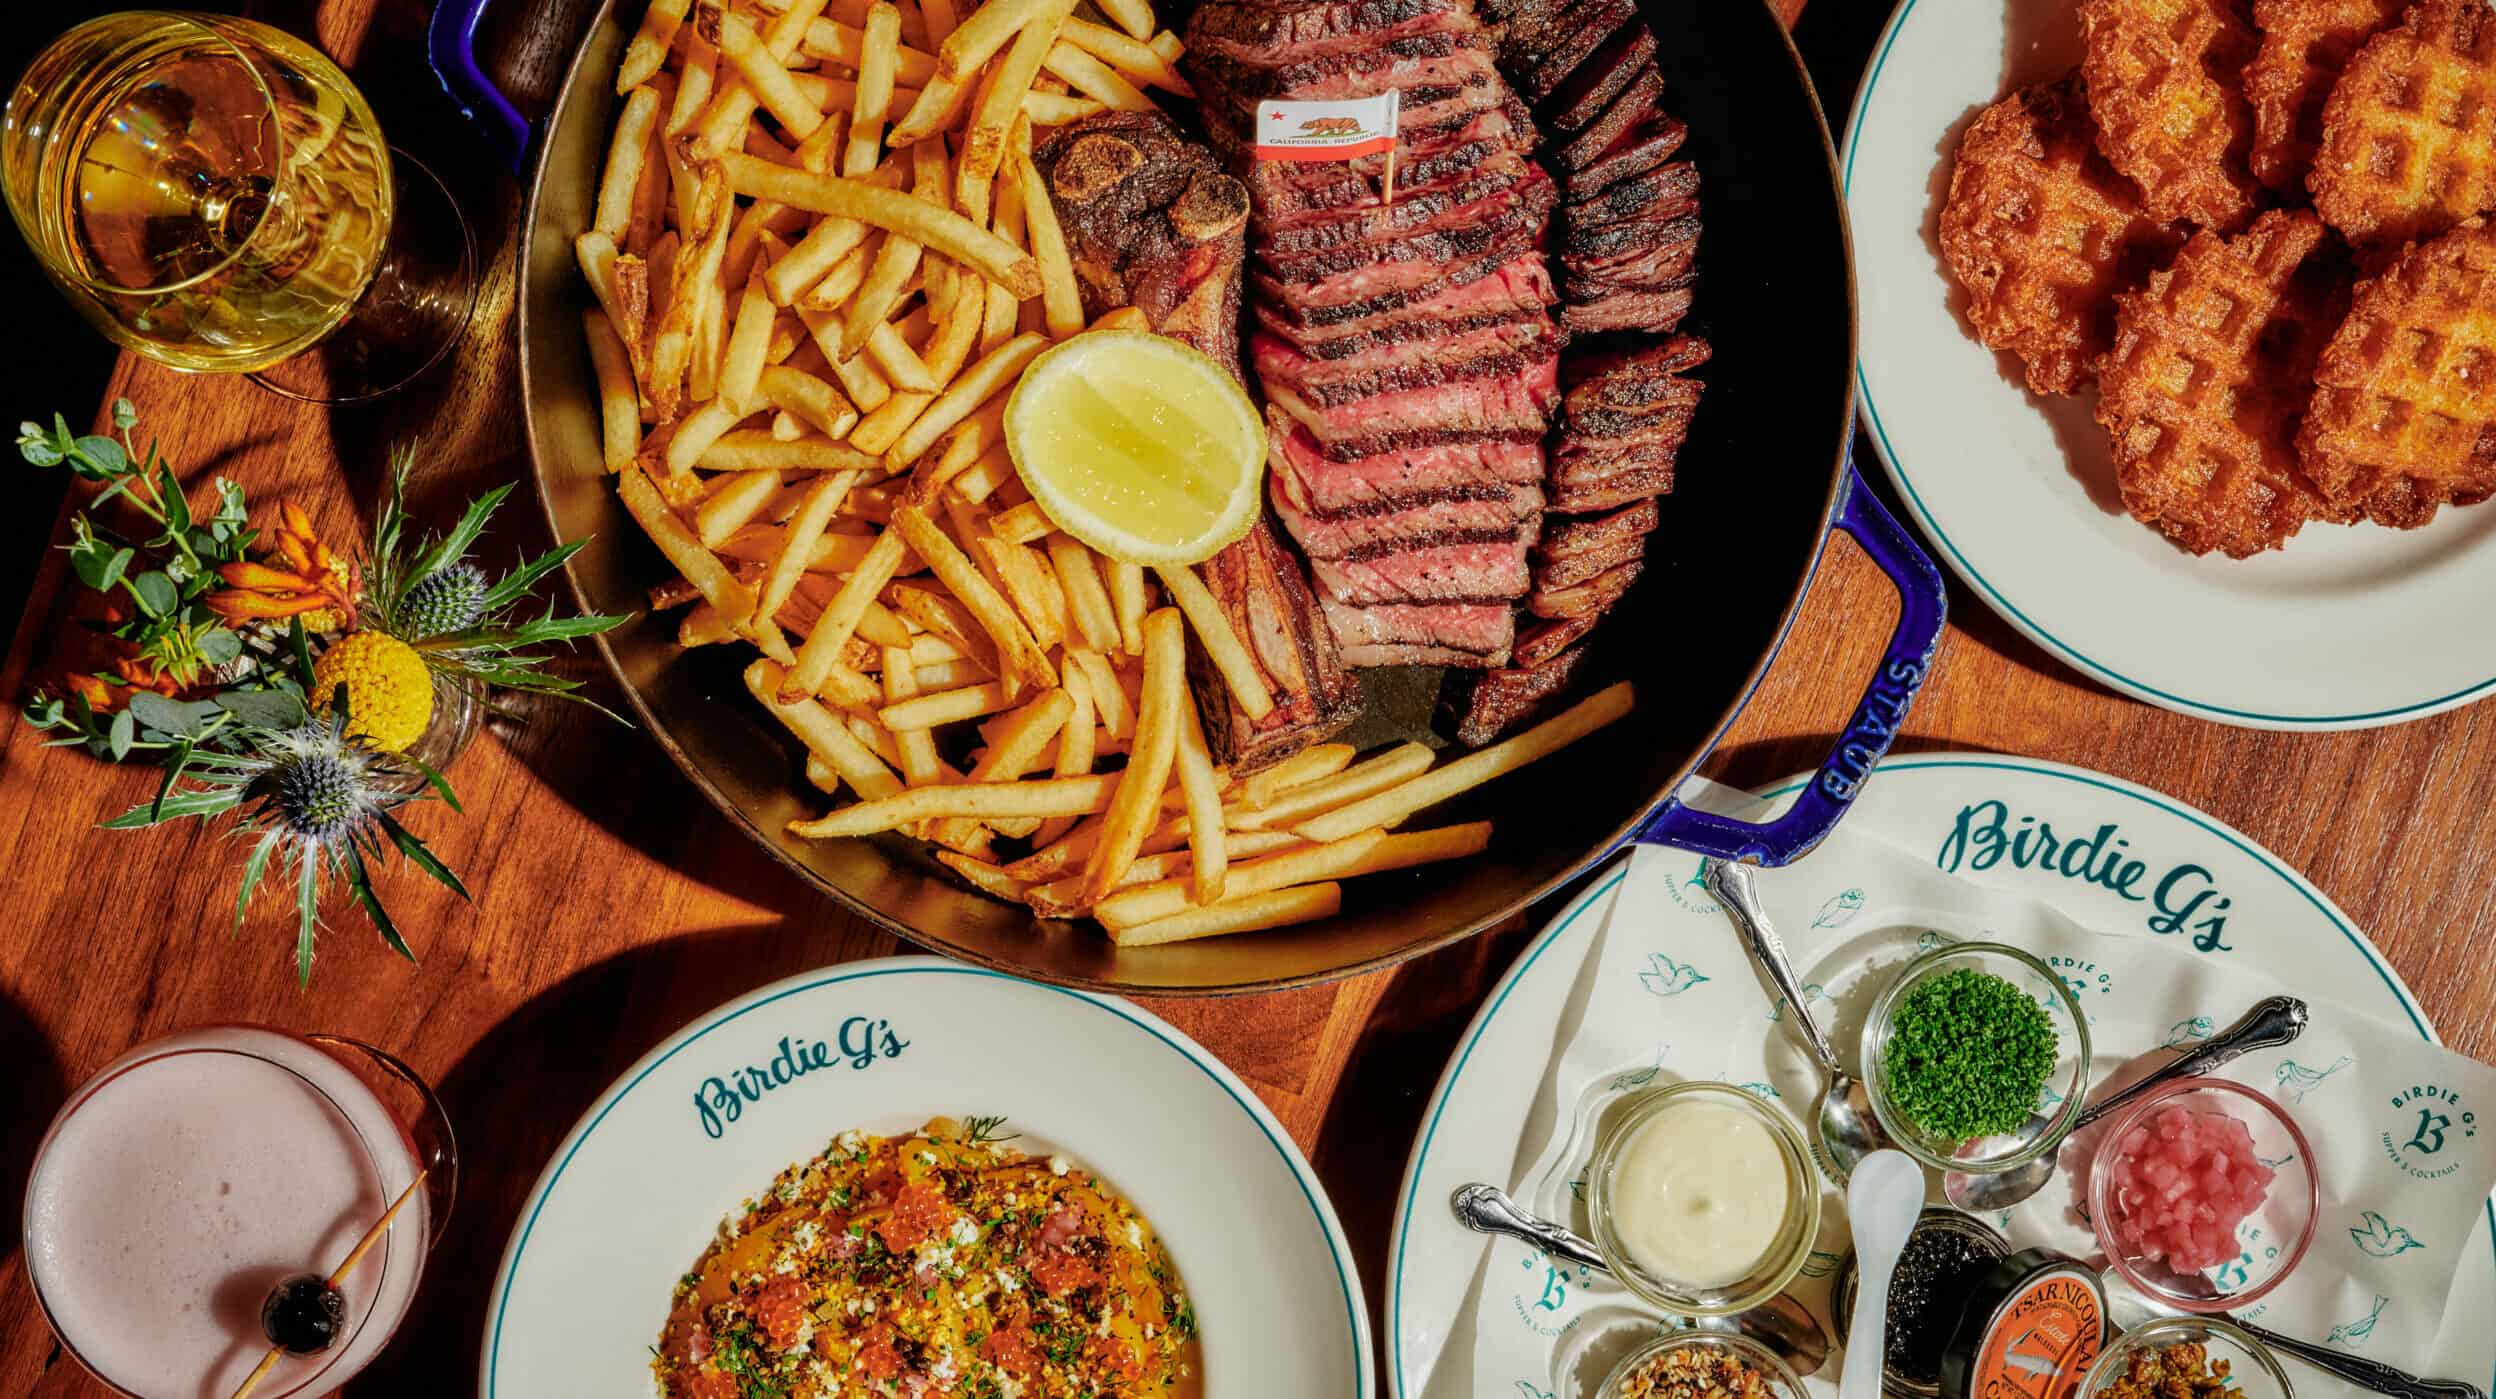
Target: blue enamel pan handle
[[451, 50], [1923, 606]]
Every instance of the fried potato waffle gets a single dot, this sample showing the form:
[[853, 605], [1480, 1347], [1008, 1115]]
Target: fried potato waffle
[[2164, 84], [2206, 381], [2409, 134], [2305, 46], [2403, 419], [2043, 232]]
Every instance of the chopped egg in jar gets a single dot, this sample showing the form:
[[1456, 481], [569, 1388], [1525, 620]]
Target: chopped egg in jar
[[1699, 1194]]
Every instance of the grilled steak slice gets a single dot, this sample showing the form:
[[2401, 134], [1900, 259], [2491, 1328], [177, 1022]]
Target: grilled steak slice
[[1605, 250], [1546, 638], [1420, 66], [1635, 378], [1627, 110], [1583, 471], [1450, 206], [1513, 291], [1590, 23], [1468, 634], [1657, 311], [1497, 352], [1643, 147], [1593, 597], [1486, 704], [1484, 571], [1483, 514], [1577, 568], [1600, 78], [1668, 191], [1612, 491], [1504, 222], [1469, 410], [1568, 539], [1630, 409], [1386, 479], [1266, 597], [1151, 221], [1268, 33], [1385, 286]]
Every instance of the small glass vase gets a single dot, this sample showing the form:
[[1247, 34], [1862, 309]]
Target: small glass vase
[[458, 710]]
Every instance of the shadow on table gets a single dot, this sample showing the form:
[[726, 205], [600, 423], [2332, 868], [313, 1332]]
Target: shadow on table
[[515, 1095], [30, 1093]]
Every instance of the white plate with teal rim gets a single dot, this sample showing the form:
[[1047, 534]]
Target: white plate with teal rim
[[2348, 627], [1980, 816], [706, 1120]]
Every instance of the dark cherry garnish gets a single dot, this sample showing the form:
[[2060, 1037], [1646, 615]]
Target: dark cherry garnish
[[304, 1314]]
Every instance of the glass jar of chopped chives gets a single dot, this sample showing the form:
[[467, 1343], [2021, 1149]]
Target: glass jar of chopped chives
[[1977, 1058]]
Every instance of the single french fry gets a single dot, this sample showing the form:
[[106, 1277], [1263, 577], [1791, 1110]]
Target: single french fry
[[1288, 809], [824, 734], [725, 511], [939, 107], [1095, 79], [1026, 523], [1059, 109], [1147, 772], [1122, 318], [949, 233], [846, 44], [987, 139], [1108, 696], [757, 451], [696, 78], [1317, 761], [932, 708], [983, 876], [1210, 858], [741, 364], [619, 401], [990, 27], [1139, 61], [797, 547], [822, 775], [1126, 596], [1133, 16], [919, 763], [810, 400], [767, 78], [878, 625], [625, 157], [1281, 908], [1394, 805], [832, 553], [696, 434], [840, 616], [648, 50], [859, 377], [1019, 657], [1045, 797], [1222, 644], [901, 364], [710, 342], [1060, 295], [1168, 46], [992, 374], [878, 63], [1087, 602]]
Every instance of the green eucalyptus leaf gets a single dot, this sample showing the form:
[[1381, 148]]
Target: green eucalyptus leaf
[[124, 732], [115, 567], [125, 414], [156, 593], [177, 505], [219, 647], [178, 718], [38, 446], [89, 558], [264, 709], [100, 458]]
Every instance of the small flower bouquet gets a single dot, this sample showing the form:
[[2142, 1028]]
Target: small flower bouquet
[[310, 692]]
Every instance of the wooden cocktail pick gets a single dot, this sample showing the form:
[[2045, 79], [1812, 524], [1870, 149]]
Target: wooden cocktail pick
[[354, 1256]]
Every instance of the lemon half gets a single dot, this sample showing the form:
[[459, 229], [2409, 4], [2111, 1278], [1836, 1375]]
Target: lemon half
[[1139, 446]]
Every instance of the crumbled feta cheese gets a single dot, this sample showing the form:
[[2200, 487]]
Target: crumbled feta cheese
[[965, 1231], [1005, 1280], [806, 1237], [1059, 1165], [1135, 1234]]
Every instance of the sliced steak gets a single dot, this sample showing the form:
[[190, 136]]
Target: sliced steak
[[1545, 638], [1518, 289], [1468, 410], [1643, 147], [1593, 597], [1636, 101], [1478, 572], [1448, 207], [1604, 250], [1492, 353], [1599, 79], [1466, 634], [1590, 23], [1486, 704], [1577, 568], [1612, 491], [1261, 589], [1668, 191], [1569, 539], [1384, 479], [1280, 34], [1657, 311], [1496, 513], [1634, 378], [1504, 222]]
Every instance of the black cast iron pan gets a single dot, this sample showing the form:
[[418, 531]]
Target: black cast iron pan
[[1763, 481]]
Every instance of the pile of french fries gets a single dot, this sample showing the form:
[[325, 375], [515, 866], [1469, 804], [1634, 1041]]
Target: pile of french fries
[[822, 257]]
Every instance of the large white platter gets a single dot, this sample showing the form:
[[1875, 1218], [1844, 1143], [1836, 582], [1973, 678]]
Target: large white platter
[[2348, 627], [1475, 1119], [639, 1187]]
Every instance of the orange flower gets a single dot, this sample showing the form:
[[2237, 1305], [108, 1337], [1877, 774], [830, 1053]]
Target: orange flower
[[304, 578]]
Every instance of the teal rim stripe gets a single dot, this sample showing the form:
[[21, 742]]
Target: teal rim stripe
[[1967, 569], [1561, 925], [1335, 1245]]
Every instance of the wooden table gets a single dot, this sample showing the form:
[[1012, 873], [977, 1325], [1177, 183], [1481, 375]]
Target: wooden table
[[611, 906]]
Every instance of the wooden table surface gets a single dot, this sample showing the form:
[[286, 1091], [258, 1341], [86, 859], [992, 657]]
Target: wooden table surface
[[611, 906]]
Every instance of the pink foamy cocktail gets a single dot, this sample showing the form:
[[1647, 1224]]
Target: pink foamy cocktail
[[195, 1172]]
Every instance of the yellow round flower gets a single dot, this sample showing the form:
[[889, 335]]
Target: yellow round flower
[[389, 691]]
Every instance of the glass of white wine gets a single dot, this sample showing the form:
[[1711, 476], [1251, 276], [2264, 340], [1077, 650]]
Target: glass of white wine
[[216, 195]]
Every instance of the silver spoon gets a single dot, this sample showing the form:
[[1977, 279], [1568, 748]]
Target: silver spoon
[[1847, 1129], [2274, 1020], [1780, 1323], [2371, 1375]]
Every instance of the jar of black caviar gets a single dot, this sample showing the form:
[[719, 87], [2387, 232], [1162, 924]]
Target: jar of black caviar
[[2032, 1329], [1943, 1258]]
